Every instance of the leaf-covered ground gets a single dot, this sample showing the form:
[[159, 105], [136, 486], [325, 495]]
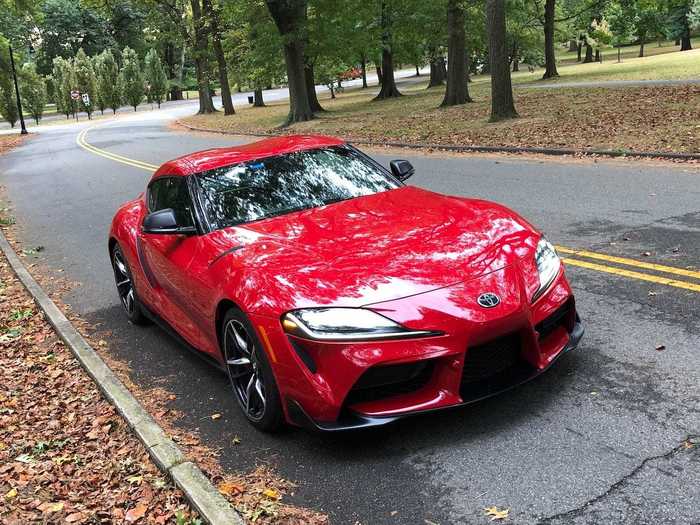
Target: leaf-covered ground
[[65, 453], [7, 142], [665, 119]]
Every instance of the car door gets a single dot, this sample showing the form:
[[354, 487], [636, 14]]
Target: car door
[[167, 257]]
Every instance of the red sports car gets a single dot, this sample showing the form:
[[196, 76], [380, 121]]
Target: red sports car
[[333, 295]]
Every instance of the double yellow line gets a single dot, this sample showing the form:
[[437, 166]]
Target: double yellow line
[[581, 258], [82, 142], [632, 263]]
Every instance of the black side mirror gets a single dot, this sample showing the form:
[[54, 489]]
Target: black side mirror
[[402, 169], [163, 222]]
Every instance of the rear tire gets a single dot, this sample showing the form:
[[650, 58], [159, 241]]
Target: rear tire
[[250, 373], [125, 287]]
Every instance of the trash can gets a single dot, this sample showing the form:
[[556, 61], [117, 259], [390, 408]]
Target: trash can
[[250, 99]]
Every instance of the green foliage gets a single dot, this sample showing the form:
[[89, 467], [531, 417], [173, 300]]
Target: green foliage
[[679, 18], [86, 81], [108, 81], [33, 91], [63, 82], [694, 15], [155, 77], [130, 78], [64, 27], [252, 45], [8, 105]]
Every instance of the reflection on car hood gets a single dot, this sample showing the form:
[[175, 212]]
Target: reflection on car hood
[[380, 247]]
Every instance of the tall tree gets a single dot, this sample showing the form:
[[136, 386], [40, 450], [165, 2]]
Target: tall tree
[[33, 91], [201, 58], [457, 91], [108, 80], [86, 82], [131, 78], [155, 77], [212, 12], [388, 84], [550, 60], [8, 105], [290, 19], [64, 82], [678, 22], [502, 105]]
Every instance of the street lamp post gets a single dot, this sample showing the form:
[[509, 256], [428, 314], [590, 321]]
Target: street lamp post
[[19, 101]]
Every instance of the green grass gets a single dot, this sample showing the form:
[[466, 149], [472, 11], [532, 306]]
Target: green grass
[[668, 66]]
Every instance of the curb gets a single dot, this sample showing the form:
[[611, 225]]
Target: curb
[[198, 490], [484, 149]]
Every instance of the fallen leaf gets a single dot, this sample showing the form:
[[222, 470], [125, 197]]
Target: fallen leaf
[[646, 254], [12, 493], [136, 513], [495, 513], [660, 348], [75, 517], [651, 293], [216, 416], [271, 493], [230, 488], [236, 440]]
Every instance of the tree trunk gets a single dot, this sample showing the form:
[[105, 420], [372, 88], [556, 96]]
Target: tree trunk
[[457, 91], [685, 43], [589, 54], [258, 99], [379, 75], [438, 72], [206, 105], [290, 18], [597, 55], [502, 106], [417, 70], [550, 60], [311, 88], [641, 46], [578, 52], [388, 89], [514, 59], [213, 17], [363, 60], [573, 45]]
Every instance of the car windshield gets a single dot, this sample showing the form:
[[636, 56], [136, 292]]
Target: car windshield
[[277, 185]]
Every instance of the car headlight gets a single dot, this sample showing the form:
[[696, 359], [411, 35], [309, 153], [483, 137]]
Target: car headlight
[[345, 324], [548, 264]]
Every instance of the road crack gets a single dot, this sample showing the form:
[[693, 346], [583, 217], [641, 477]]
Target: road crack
[[690, 441]]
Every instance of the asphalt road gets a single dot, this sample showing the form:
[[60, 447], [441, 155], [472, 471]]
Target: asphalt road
[[597, 439]]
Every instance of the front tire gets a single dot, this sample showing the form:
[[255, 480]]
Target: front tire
[[250, 373], [125, 287]]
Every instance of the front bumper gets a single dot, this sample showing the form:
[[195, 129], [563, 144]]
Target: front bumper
[[353, 420], [481, 352]]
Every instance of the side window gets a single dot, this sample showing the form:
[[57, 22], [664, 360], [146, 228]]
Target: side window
[[171, 192]]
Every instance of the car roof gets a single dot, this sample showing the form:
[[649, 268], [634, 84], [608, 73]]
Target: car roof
[[218, 157]]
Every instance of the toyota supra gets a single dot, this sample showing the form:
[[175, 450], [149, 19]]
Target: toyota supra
[[331, 293]]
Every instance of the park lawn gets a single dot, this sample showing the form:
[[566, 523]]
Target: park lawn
[[628, 51], [637, 119], [669, 66]]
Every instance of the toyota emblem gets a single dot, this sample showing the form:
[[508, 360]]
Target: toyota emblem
[[488, 300]]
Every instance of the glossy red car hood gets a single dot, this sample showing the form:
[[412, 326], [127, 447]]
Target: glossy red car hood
[[379, 247]]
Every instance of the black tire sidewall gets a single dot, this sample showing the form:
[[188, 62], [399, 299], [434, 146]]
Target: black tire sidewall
[[273, 419], [136, 316]]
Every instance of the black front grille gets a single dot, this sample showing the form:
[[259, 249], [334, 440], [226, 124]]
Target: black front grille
[[492, 367], [380, 382]]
